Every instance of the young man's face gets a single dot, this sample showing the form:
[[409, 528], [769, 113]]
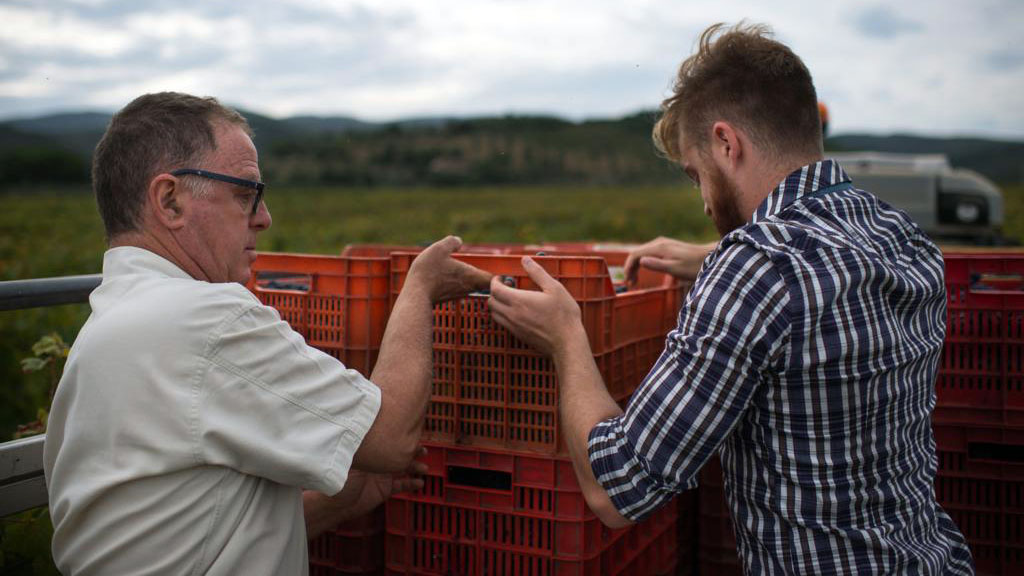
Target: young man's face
[[221, 235], [720, 194]]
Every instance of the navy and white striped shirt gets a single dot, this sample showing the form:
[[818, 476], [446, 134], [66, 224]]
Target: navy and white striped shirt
[[807, 353]]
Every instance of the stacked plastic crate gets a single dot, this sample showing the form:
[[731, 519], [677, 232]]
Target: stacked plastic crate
[[339, 305], [979, 414], [716, 536], [501, 496]]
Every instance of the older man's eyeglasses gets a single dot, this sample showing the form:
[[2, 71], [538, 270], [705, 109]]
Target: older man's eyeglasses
[[257, 186]]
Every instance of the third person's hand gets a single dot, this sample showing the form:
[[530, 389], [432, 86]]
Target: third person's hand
[[680, 259]]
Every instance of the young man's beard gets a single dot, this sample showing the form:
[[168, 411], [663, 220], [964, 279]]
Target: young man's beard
[[725, 210]]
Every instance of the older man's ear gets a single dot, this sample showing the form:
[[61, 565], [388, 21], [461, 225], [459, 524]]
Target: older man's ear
[[166, 202]]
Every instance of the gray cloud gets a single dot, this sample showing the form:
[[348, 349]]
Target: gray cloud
[[577, 59], [883, 23], [578, 94], [1005, 60], [272, 13]]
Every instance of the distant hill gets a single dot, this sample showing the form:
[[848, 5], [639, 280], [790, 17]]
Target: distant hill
[[59, 124], [73, 132], [321, 124], [340, 150]]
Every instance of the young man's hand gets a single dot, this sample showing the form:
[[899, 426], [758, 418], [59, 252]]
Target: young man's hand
[[442, 277], [548, 319], [680, 259]]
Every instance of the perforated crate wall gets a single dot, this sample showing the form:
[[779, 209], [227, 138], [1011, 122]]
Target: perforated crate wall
[[981, 372], [489, 512], [338, 304], [492, 390], [354, 548]]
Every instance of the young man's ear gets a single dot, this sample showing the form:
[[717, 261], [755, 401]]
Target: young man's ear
[[166, 201], [727, 145]]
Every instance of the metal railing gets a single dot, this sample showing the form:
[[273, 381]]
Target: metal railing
[[22, 484], [21, 294]]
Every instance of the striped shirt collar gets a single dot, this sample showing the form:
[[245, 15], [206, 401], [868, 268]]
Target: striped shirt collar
[[798, 184]]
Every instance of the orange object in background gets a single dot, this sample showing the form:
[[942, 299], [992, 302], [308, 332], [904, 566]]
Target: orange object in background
[[823, 112]]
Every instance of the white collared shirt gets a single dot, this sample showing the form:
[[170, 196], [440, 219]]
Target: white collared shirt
[[188, 420]]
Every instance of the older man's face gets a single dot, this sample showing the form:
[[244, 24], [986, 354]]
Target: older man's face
[[221, 235]]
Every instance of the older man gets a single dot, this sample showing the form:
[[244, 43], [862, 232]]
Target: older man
[[805, 353], [190, 417]]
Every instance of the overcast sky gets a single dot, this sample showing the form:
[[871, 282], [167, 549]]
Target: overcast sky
[[940, 67]]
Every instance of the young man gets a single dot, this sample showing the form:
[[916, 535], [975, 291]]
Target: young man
[[805, 353], [190, 417]]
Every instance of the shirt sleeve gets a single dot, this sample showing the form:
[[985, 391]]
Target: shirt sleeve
[[271, 406], [731, 330]]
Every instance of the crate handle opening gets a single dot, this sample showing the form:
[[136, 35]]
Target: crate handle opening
[[991, 281], [998, 452], [478, 478], [271, 280]]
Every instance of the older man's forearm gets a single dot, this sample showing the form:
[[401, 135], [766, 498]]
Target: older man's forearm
[[403, 373]]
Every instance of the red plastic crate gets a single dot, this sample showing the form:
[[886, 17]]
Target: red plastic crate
[[351, 548], [524, 483], [647, 548], [338, 304], [466, 322], [687, 514], [492, 390], [322, 570], [492, 512], [385, 250], [990, 515], [614, 254], [984, 452], [981, 372], [716, 536]]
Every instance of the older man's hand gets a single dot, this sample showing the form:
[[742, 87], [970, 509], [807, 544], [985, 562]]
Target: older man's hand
[[680, 259], [548, 319], [443, 277], [363, 492]]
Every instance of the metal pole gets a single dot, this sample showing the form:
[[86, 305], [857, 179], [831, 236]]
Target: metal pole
[[20, 294]]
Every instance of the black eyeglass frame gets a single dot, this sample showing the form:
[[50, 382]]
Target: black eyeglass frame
[[257, 186]]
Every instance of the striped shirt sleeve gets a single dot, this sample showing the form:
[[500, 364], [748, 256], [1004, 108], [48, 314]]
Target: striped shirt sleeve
[[732, 329]]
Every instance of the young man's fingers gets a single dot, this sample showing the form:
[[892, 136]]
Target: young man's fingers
[[500, 292], [539, 275], [497, 306], [499, 312]]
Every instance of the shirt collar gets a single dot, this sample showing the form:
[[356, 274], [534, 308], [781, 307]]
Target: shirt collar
[[127, 260], [798, 184]]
